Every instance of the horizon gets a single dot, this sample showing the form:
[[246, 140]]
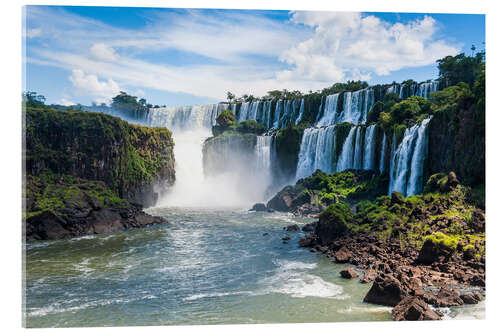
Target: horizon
[[173, 57]]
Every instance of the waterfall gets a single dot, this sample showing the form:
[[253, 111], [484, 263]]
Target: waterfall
[[407, 162], [316, 151], [347, 154], [263, 156], [277, 113], [382, 154], [369, 153], [185, 117], [301, 112], [330, 111], [358, 149], [415, 183], [424, 89]]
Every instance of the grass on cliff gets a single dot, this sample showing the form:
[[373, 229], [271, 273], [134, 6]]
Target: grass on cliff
[[64, 194], [96, 146], [444, 218]]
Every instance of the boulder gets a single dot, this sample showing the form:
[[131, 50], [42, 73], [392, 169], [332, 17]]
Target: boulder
[[333, 222], [447, 297], [369, 276], [259, 207], [397, 198], [309, 227], [343, 255], [386, 290], [349, 273], [471, 298], [413, 308], [292, 227], [436, 248], [478, 220], [307, 241]]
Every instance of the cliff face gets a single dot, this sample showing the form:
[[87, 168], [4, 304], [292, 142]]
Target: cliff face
[[229, 152], [131, 160], [457, 142]]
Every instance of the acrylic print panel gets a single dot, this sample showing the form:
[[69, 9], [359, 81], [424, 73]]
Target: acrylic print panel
[[202, 166]]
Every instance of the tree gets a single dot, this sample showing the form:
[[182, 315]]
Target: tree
[[230, 96], [128, 104], [460, 68], [409, 108], [31, 98], [226, 119]]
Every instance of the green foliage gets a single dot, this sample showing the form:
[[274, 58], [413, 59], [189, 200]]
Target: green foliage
[[450, 99], [460, 68], [250, 126], [63, 194], [96, 146], [409, 108], [129, 105], [226, 119], [343, 87], [374, 113], [31, 98], [443, 241]]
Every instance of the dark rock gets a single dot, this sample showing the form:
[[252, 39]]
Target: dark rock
[[369, 276], [259, 207], [348, 273], [343, 255], [447, 297], [478, 220], [265, 234], [397, 198], [270, 210], [432, 252], [469, 299], [413, 308], [309, 227], [386, 290], [307, 241], [292, 227], [286, 238]]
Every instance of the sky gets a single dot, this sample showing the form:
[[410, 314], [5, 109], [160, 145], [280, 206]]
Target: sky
[[179, 57]]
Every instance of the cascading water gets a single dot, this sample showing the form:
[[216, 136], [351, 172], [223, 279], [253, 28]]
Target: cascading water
[[301, 112], [316, 151], [330, 111], [369, 153], [382, 154], [347, 154], [358, 149], [407, 161]]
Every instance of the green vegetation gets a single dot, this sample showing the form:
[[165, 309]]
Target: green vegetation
[[337, 187], [65, 195], [96, 146], [129, 105], [226, 123], [460, 68], [448, 220]]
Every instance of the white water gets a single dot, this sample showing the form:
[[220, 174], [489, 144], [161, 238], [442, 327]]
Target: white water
[[347, 154], [190, 127], [330, 111], [316, 151], [407, 161], [382, 154], [369, 153]]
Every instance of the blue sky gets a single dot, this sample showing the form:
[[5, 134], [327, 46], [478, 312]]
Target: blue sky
[[180, 57]]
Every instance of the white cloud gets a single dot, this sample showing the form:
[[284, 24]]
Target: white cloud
[[65, 102], [353, 46], [103, 52], [89, 85], [243, 53], [32, 33]]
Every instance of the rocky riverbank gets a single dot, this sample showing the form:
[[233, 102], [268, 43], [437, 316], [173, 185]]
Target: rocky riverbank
[[421, 253]]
